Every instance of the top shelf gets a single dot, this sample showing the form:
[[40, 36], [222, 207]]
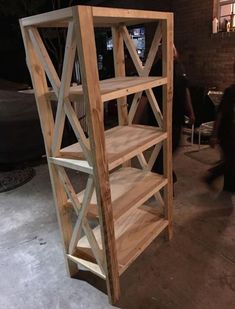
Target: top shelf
[[101, 16], [117, 87]]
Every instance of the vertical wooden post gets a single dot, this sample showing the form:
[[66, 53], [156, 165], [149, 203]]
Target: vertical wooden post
[[90, 81], [167, 65], [119, 66], [47, 124]]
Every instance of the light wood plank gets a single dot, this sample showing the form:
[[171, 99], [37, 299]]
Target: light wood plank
[[102, 17], [167, 54], [78, 131], [130, 239], [47, 124], [142, 161], [154, 155], [78, 165], [97, 252], [45, 60], [94, 268], [68, 64], [134, 106], [51, 18], [81, 215], [132, 50], [90, 80], [114, 15], [122, 143], [159, 200], [130, 187], [69, 189], [153, 50], [155, 108], [119, 66], [114, 88]]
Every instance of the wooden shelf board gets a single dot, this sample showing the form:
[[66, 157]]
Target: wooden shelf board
[[134, 231], [101, 16], [117, 87], [130, 187], [122, 143]]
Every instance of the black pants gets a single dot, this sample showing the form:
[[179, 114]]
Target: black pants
[[158, 164], [225, 167]]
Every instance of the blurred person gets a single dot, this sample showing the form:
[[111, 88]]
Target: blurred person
[[224, 135], [181, 106]]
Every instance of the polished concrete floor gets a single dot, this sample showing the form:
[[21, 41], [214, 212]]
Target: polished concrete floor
[[195, 270]]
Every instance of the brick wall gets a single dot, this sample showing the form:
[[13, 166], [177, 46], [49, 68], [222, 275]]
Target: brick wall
[[209, 58]]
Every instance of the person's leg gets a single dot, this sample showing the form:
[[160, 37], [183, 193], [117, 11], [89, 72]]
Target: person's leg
[[215, 172], [229, 173]]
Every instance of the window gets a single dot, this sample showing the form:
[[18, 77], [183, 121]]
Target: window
[[226, 15]]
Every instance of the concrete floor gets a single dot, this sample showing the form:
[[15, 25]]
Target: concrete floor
[[195, 270]]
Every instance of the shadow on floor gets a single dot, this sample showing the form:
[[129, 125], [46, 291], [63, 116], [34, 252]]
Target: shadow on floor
[[191, 270]]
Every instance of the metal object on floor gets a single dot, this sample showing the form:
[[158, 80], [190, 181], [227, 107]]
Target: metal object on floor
[[205, 129]]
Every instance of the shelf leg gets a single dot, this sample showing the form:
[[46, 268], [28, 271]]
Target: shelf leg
[[167, 54], [83, 19], [71, 268]]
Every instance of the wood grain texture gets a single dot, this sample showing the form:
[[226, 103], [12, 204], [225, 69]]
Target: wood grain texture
[[47, 124], [45, 59], [153, 49], [130, 187], [87, 56], [119, 67], [167, 54], [68, 64], [115, 16], [114, 88], [49, 18], [132, 49], [122, 143], [78, 165], [130, 239]]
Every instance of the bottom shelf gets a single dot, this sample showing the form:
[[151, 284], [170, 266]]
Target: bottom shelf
[[134, 231]]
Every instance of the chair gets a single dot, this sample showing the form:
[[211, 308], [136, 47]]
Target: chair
[[186, 121], [205, 128]]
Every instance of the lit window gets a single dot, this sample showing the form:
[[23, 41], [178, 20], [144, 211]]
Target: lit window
[[226, 15]]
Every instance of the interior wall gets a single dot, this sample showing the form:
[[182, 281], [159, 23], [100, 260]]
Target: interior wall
[[209, 58]]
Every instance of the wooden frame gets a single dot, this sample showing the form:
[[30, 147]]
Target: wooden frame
[[115, 199]]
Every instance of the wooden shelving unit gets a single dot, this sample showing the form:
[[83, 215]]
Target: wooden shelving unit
[[116, 194]]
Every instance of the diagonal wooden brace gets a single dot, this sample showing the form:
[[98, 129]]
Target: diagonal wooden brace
[[82, 213], [69, 189], [68, 64]]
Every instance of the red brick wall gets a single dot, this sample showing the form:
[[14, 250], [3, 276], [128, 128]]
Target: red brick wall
[[209, 59]]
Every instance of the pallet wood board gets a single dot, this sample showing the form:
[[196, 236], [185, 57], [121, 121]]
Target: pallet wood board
[[101, 17], [130, 239], [130, 187], [122, 143], [114, 88]]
